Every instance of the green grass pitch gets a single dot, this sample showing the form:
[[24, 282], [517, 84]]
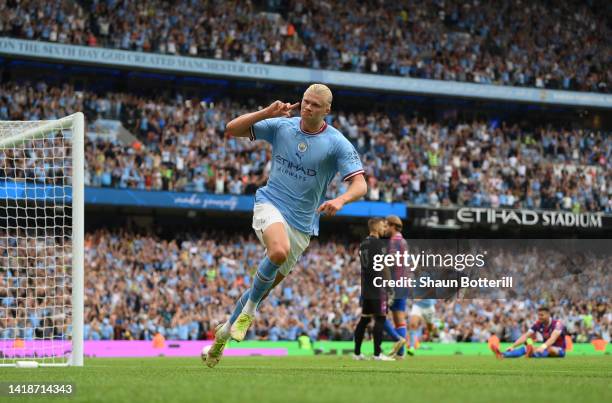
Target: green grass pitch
[[329, 379]]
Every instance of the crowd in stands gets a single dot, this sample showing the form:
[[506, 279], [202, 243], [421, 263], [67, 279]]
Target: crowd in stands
[[35, 292], [474, 163], [542, 44], [539, 44], [140, 285]]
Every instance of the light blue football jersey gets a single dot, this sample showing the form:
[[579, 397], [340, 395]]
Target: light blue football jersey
[[303, 165]]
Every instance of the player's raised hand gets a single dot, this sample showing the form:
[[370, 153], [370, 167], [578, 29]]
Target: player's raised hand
[[331, 207], [279, 109]]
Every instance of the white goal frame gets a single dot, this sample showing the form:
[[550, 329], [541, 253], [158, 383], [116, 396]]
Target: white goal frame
[[76, 123]]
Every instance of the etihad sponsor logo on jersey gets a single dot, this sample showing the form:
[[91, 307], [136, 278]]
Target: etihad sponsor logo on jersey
[[293, 167]]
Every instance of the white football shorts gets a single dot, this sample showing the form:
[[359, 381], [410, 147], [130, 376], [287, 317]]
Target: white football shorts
[[426, 313], [265, 214]]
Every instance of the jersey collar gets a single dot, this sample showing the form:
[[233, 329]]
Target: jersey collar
[[321, 130]]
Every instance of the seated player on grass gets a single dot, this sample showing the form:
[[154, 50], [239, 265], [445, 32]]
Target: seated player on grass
[[553, 333]]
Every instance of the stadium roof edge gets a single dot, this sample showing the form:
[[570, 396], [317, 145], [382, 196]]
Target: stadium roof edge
[[297, 75]]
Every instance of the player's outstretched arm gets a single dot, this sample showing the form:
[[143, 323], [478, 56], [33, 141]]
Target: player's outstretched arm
[[520, 341], [356, 190], [551, 340], [239, 127]]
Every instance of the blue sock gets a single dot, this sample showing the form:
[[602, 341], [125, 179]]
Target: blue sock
[[517, 352], [391, 330], [543, 354], [413, 338], [239, 305], [401, 330], [264, 278]]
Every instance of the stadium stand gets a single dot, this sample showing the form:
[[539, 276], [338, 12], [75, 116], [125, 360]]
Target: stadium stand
[[140, 285], [474, 163], [479, 42]]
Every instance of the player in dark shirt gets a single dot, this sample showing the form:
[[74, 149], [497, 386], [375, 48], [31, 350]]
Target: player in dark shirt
[[373, 298], [553, 333]]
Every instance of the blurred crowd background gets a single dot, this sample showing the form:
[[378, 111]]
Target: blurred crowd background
[[139, 285]]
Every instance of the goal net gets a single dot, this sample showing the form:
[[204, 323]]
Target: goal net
[[41, 242]]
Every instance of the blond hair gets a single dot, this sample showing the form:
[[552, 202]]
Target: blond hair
[[321, 89]]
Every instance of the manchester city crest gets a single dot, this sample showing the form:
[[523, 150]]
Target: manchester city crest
[[302, 147]]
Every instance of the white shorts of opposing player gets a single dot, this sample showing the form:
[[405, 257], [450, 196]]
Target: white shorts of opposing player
[[426, 313], [264, 215]]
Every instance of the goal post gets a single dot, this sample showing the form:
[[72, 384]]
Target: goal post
[[42, 167]]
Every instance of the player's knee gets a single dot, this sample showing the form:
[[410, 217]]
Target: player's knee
[[278, 254]]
